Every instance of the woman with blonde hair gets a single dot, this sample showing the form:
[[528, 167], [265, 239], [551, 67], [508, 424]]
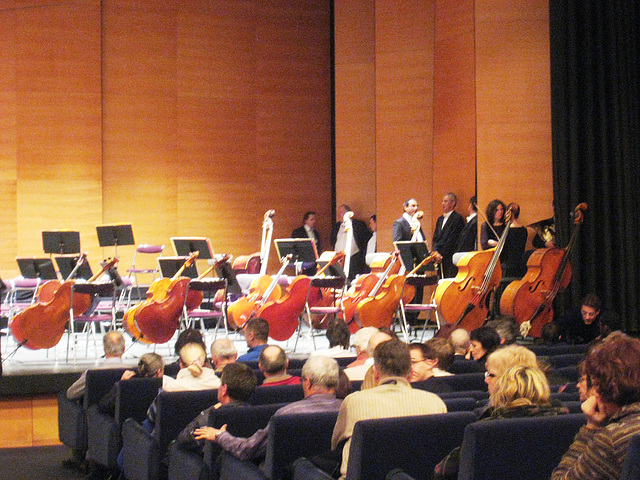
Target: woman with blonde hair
[[520, 391], [193, 374]]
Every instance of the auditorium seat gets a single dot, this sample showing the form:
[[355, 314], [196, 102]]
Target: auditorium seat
[[277, 394], [522, 448], [631, 463]]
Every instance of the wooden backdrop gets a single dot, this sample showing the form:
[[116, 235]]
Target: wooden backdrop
[[181, 118]]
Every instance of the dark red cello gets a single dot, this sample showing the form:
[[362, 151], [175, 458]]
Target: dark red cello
[[530, 300], [156, 319], [43, 324]]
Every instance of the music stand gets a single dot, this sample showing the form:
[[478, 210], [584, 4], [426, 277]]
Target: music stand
[[66, 264], [184, 246], [41, 268], [335, 270], [412, 253], [169, 266], [62, 242], [115, 235], [302, 250]]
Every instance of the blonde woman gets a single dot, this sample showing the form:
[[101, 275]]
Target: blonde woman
[[193, 374], [521, 391]]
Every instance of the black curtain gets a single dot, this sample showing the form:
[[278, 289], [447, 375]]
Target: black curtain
[[595, 107]]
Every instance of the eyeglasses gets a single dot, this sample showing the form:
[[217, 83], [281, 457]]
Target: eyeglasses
[[417, 361], [489, 375]]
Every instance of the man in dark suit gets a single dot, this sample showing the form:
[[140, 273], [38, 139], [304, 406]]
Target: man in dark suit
[[307, 230], [447, 234], [361, 235], [401, 230], [469, 236]]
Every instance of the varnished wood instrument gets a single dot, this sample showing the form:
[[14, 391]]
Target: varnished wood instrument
[[195, 297], [463, 301], [42, 325], [530, 300], [156, 319], [262, 290]]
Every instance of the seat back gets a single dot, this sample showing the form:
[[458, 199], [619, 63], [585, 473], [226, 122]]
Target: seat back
[[415, 444], [460, 404], [456, 383], [134, 397], [297, 435], [522, 448], [276, 394], [565, 360], [98, 383], [631, 463]]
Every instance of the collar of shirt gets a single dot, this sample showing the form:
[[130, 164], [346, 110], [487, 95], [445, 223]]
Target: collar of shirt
[[471, 217]]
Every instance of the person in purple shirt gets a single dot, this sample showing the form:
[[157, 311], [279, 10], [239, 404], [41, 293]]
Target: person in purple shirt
[[256, 334], [320, 377]]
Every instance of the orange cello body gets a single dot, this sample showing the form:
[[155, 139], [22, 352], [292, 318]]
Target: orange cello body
[[156, 319], [283, 313], [378, 311], [241, 310], [42, 325], [462, 301], [355, 294], [523, 298]]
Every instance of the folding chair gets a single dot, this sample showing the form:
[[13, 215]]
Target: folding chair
[[133, 272], [419, 281], [206, 290]]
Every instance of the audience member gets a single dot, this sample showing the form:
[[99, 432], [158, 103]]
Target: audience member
[[441, 352], [360, 340], [188, 335], [150, 365], [256, 334], [612, 370], [393, 397], [549, 334], [223, 352], [521, 391], [339, 336], [505, 358], [236, 386], [320, 377], [461, 342], [359, 372], [273, 364], [484, 340], [582, 325], [113, 344], [507, 328], [193, 374]]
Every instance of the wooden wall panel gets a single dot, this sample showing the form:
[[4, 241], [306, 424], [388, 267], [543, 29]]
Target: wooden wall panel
[[514, 105], [404, 110], [355, 132], [51, 82], [454, 110]]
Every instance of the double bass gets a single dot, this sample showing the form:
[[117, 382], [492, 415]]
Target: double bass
[[156, 319], [530, 300], [257, 262], [42, 325], [463, 301]]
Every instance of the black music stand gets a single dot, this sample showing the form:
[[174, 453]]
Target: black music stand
[[302, 250], [412, 253], [66, 264], [41, 268], [169, 266], [115, 235], [63, 242], [185, 246]]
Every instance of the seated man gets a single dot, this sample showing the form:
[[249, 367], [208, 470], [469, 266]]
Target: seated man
[[273, 364], [392, 397], [256, 334], [359, 372], [237, 384], [223, 352], [319, 381]]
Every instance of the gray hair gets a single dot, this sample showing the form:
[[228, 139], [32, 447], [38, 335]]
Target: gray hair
[[361, 338], [113, 343], [321, 371], [223, 348]]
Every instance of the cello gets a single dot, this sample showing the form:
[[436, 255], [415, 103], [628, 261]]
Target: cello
[[463, 301], [283, 314], [530, 300], [156, 319], [378, 308], [257, 262], [42, 325], [195, 297]]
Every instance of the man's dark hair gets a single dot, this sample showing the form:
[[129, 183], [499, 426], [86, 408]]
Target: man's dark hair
[[189, 335], [441, 349], [338, 333], [474, 203], [273, 360], [240, 380], [592, 300], [392, 358], [259, 327], [307, 215]]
